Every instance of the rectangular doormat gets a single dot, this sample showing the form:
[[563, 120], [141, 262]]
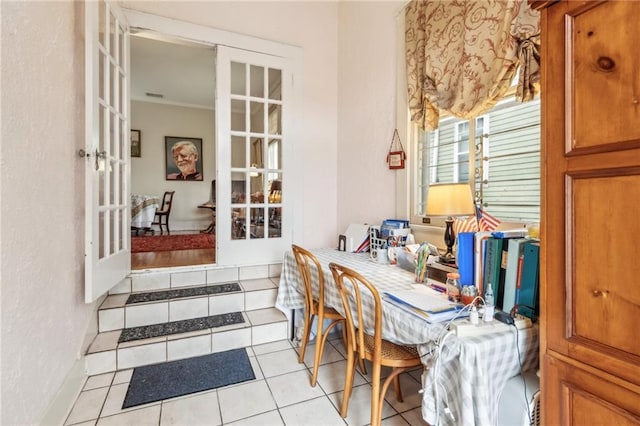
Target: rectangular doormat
[[147, 243], [183, 377]]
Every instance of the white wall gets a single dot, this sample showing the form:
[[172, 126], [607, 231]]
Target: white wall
[[155, 121], [366, 111], [44, 317], [344, 145]]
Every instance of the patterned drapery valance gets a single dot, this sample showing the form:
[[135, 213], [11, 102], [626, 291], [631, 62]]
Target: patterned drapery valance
[[462, 55]]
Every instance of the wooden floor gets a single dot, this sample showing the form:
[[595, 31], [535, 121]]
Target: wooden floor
[[164, 259]]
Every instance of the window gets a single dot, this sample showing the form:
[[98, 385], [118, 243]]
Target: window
[[498, 152]]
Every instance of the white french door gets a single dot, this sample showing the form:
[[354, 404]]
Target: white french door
[[106, 152], [254, 212]]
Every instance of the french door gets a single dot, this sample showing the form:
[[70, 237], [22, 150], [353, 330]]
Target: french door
[[106, 152], [254, 151]]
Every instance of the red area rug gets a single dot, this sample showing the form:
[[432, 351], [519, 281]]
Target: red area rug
[[146, 243]]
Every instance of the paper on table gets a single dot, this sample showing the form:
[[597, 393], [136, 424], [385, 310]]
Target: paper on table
[[423, 298]]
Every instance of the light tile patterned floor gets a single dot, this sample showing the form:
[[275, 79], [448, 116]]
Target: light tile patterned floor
[[280, 395]]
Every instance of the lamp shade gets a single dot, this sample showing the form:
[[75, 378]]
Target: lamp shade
[[450, 199]]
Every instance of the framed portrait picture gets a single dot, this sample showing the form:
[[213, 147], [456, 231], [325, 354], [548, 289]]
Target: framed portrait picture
[[136, 148], [183, 158]]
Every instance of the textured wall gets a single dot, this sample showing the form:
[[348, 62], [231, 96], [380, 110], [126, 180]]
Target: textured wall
[[344, 142], [42, 230], [366, 106]]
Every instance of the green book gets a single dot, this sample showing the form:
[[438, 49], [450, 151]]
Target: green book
[[493, 260]]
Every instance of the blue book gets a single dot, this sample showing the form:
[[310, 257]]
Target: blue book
[[466, 257]]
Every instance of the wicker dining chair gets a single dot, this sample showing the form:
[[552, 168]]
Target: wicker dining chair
[[314, 307], [372, 347]]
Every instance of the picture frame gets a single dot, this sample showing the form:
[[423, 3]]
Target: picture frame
[[136, 143], [396, 160], [183, 158]]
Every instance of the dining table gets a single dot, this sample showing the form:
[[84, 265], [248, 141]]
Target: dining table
[[463, 376], [143, 211]]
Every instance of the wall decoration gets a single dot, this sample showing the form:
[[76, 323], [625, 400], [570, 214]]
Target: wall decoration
[[136, 143], [183, 158]]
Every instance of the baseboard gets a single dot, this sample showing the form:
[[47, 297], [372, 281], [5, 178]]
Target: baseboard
[[62, 404]]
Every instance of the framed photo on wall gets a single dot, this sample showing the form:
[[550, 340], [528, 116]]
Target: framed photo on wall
[[183, 158], [136, 148]]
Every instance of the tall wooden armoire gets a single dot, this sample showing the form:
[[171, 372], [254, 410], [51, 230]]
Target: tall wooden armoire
[[590, 219]]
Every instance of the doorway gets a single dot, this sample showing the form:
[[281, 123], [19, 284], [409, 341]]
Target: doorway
[[254, 225], [172, 101]]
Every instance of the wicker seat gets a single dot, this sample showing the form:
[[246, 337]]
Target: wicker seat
[[314, 308], [353, 287]]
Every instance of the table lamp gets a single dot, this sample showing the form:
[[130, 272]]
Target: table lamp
[[449, 199]]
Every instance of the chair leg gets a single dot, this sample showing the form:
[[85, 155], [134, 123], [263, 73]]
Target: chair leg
[[348, 382], [376, 398], [398, 389], [321, 339], [308, 319]]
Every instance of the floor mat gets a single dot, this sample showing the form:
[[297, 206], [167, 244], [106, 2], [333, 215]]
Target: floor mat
[[181, 326], [183, 377]]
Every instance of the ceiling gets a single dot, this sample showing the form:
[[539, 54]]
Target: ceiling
[[182, 72]]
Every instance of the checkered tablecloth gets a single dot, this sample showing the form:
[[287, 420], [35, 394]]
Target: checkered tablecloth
[[471, 371]]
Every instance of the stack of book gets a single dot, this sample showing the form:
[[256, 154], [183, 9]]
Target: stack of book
[[510, 264], [426, 304]]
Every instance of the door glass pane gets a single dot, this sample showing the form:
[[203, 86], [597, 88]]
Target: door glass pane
[[112, 133], [274, 155], [275, 188], [257, 153], [238, 191], [238, 79], [100, 235], [101, 21], [275, 222], [113, 241], [257, 223], [238, 223], [238, 151], [257, 117], [112, 34], [275, 119], [257, 187], [238, 115], [108, 170], [275, 84], [257, 81], [121, 93], [101, 75]]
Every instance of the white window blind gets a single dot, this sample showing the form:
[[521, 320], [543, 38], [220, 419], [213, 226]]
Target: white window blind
[[498, 152]]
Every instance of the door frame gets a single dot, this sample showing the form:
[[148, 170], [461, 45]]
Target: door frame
[[214, 37]]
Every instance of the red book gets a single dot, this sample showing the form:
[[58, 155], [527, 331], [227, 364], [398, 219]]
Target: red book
[[518, 282]]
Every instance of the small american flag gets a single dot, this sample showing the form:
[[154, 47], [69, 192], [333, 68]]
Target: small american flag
[[486, 222]]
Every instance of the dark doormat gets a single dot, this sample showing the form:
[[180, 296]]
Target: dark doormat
[[183, 377]]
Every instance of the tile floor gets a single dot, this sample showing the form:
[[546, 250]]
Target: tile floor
[[280, 395]]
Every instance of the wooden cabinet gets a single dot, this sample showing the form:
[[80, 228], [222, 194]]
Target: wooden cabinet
[[590, 224]]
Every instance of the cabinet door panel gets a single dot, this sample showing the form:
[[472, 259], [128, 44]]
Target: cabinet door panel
[[604, 77], [602, 282], [587, 399]]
